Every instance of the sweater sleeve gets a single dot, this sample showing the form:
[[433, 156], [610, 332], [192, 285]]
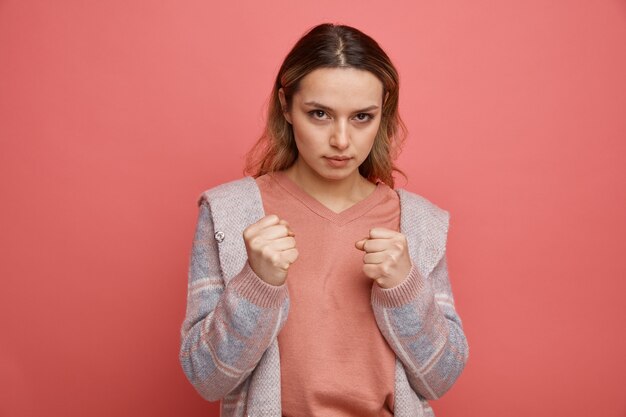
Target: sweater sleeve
[[227, 328], [418, 319]]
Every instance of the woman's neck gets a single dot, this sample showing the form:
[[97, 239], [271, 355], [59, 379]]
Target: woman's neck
[[337, 195]]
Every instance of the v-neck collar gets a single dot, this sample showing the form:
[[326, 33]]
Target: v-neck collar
[[345, 216]]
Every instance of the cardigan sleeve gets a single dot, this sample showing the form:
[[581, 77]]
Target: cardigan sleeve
[[227, 328], [418, 319]]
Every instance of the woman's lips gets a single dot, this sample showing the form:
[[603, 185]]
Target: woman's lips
[[338, 162]]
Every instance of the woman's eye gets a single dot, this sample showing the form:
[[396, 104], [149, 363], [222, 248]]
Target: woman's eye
[[317, 114], [364, 117]]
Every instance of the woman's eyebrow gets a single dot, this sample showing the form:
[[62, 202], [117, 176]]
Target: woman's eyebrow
[[326, 108]]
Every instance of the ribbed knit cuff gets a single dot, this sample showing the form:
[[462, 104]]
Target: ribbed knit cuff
[[250, 286], [401, 294]]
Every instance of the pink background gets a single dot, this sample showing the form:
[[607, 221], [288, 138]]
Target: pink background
[[115, 115]]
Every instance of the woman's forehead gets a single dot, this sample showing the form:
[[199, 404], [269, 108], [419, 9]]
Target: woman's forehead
[[341, 87]]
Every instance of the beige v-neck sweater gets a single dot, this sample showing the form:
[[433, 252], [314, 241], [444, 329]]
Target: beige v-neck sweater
[[229, 337], [334, 360]]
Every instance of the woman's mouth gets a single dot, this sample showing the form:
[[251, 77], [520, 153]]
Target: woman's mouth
[[338, 161]]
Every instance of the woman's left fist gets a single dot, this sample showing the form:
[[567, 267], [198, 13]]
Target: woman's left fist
[[386, 259]]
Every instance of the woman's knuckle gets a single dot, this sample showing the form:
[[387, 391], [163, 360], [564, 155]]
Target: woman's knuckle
[[266, 251], [275, 259]]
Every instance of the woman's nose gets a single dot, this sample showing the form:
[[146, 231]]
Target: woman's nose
[[339, 138]]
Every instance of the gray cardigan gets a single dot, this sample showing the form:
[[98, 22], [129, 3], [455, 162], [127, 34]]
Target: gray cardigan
[[229, 348]]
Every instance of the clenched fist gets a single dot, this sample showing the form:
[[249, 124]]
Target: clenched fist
[[386, 260], [271, 248]]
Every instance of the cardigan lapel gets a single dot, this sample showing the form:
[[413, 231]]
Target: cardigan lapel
[[234, 206], [426, 227]]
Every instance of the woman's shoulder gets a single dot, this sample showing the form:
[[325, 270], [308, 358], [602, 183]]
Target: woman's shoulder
[[420, 213], [412, 201], [238, 191]]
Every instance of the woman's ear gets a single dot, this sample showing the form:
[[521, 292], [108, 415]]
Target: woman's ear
[[283, 104]]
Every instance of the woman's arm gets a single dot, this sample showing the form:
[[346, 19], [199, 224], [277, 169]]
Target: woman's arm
[[226, 329], [419, 321]]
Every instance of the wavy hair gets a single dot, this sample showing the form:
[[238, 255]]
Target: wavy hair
[[331, 46]]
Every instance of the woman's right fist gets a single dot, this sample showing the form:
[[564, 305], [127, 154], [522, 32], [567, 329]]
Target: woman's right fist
[[271, 248]]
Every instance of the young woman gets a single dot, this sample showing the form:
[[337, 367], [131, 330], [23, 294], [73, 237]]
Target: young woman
[[315, 287]]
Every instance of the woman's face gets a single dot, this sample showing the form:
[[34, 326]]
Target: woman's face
[[335, 115]]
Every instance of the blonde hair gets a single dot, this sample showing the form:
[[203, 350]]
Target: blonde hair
[[331, 46]]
